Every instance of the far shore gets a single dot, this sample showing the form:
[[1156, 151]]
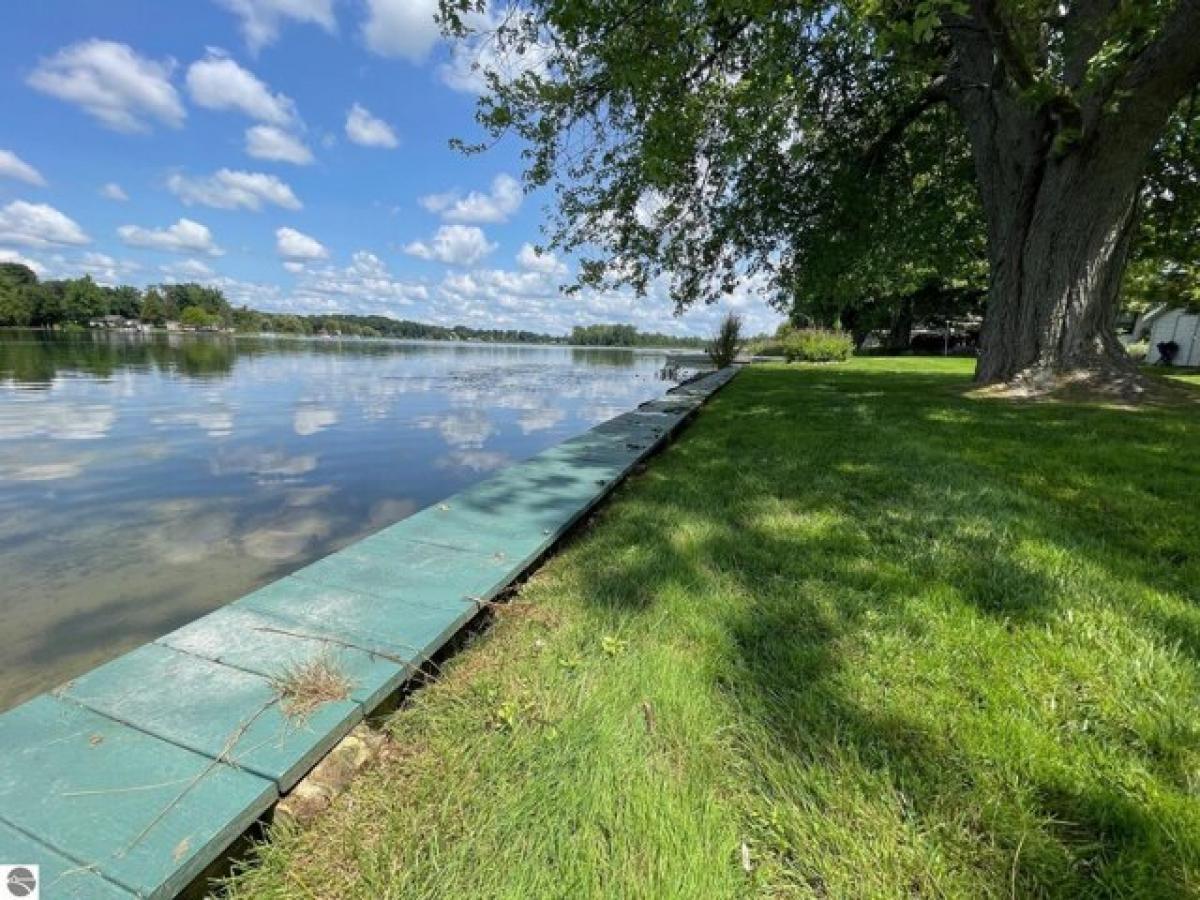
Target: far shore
[[324, 338]]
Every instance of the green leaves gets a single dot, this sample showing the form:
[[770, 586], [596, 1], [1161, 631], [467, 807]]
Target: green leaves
[[911, 26], [1165, 260], [699, 144]]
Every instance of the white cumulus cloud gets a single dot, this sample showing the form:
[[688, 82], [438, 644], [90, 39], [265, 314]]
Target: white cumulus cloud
[[109, 81], [365, 129], [228, 189], [295, 245], [104, 268], [532, 300], [531, 260], [12, 166], [401, 28], [262, 19], [275, 144], [12, 256], [185, 236], [365, 286], [113, 191], [188, 268], [38, 225], [458, 245], [497, 205], [218, 82]]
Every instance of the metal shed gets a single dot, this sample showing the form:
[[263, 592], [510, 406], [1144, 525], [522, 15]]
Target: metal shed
[[1182, 327]]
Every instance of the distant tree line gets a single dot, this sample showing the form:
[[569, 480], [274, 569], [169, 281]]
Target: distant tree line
[[252, 321], [628, 336], [27, 302]]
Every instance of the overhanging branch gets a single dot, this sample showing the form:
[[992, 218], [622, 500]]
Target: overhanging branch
[[933, 94], [1168, 67]]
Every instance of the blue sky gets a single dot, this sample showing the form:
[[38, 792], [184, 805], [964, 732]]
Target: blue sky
[[293, 152]]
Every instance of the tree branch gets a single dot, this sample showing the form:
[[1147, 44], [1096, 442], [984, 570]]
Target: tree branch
[[987, 12], [934, 93], [1163, 73], [721, 44]]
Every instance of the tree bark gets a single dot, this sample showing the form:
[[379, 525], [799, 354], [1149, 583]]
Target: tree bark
[[1059, 226]]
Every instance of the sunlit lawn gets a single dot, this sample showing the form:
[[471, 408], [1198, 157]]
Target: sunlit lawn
[[1189, 376], [890, 639]]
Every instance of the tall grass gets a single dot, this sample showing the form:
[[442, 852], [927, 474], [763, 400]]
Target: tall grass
[[723, 349]]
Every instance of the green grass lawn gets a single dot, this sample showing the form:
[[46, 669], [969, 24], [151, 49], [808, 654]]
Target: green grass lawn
[[1191, 376], [856, 634]]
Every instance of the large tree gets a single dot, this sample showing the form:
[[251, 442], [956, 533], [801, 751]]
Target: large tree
[[704, 141]]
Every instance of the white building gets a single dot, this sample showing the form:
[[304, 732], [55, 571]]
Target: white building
[[1183, 328]]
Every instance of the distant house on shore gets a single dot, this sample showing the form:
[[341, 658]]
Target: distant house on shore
[[1175, 325], [114, 322]]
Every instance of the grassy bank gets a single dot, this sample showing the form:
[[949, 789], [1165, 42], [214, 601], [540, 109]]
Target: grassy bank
[[855, 634]]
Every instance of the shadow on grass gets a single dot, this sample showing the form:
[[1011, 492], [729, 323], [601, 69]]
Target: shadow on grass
[[987, 608]]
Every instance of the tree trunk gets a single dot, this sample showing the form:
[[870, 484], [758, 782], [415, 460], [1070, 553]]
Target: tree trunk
[[1058, 255], [900, 334], [851, 320], [1059, 226]]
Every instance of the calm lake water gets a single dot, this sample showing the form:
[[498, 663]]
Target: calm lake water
[[145, 480]]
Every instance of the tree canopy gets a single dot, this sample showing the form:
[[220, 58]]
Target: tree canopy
[[704, 142], [1165, 262]]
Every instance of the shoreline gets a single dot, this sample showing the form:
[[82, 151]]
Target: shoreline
[[201, 706]]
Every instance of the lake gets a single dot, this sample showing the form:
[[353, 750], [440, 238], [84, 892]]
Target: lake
[[148, 479]]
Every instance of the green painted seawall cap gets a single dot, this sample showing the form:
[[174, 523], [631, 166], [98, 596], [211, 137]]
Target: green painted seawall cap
[[142, 812], [214, 709]]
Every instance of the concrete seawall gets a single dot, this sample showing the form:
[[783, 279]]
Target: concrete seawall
[[131, 779]]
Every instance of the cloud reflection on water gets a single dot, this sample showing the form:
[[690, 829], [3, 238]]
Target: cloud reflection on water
[[540, 419], [388, 511], [462, 428], [214, 421], [186, 531], [288, 537], [475, 460], [58, 420], [262, 464], [308, 496], [309, 420], [43, 471], [215, 466]]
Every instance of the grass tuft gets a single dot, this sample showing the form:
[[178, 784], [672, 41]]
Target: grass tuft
[[305, 686]]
